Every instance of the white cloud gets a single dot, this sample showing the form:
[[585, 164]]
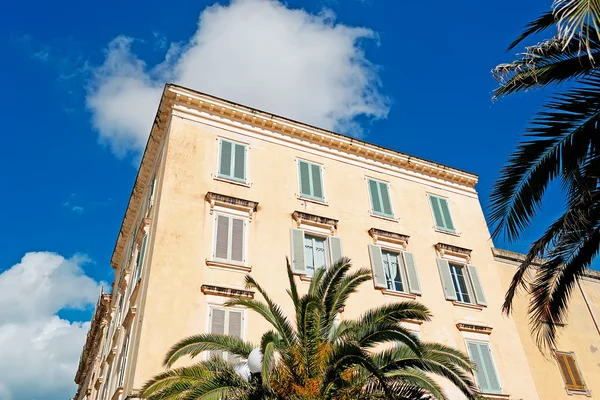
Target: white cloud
[[39, 350], [256, 52]]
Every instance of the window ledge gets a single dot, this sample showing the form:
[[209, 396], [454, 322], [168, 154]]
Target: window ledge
[[305, 278], [315, 201], [579, 392], [239, 183], [117, 394], [391, 219], [403, 295], [446, 232], [99, 382], [229, 266], [495, 396], [467, 305]]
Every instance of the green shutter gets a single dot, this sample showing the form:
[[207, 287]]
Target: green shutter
[[446, 278], [377, 266], [335, 249], [380, 198], [317, 182], [490, 369], [411, 271], [311, 180], [297, 239], [448, 224], [239, 164], [140, 266], [441, 213], [375, 199], [477, 288], [304, 176], [386, 204], [225, 158], [480, 374]]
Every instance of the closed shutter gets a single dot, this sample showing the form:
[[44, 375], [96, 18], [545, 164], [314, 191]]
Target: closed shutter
[[217, 326], [237, 239], [446, 278], [375, 198], [239, 163], [335, 249], [297, 244], [441, 213], [140, 266], [476, 282], [235, 330], [225, 158], [222, 237], [311, 180], [386, 204], [377, 266], [411, 271], [317, 182], [449, 225], [380, 198], [570, 371], [480, 376], [490, 369], [304, 176]]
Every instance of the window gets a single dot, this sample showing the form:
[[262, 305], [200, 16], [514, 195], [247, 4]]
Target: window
[[139, 262], [123, 361], [485, 371], [315, 254], [441, 213], [461, 282], [151, 193], [394, 270], [230, 239], [570, 372], [380, 198], [311, 180], [226, 321], [232, 160], [310, 252], [106, 383]]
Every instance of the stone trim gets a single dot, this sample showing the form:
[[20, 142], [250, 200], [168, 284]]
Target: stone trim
[[301, 218], [216, 199], [225, 291], [471, 306], [446, 250], [129, 317], [403, 295], [396, 238], [475, 328], [229, 266]]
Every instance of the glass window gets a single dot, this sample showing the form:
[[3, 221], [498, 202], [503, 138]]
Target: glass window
[[461, 283], [392, 266], [314, 253]]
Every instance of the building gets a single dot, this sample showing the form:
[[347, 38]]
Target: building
[[224, 190]]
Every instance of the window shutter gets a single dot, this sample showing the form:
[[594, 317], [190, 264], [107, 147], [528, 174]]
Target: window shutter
[[490, 369], [375, 199], [445, 210], [225, 158], [222, 237], [437, 212], [385, 198], [239, 162], [565, 369], [570, 372], [577, 379], [411, 270], [480, 375], [335, 249], [123, 360], [317, 182], [235, 330], [474, 275], [444, 269], [377, 266], [217, 326], [237, 239], [304, 176], [140, 266], [297, 239]]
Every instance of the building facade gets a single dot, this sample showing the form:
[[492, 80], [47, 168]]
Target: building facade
[[224, 190]]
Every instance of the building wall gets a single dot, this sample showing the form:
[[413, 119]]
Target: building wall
[[175, 307], [580, 335]]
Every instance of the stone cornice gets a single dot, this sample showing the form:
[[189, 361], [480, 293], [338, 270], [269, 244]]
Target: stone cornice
[[194, 103], [93, 339]]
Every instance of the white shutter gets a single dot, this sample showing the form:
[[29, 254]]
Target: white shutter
[[234, 329], [446, 278], [238, 228], [377, 266], [335, 249], [297, 242], [411, 270], [217, 326], [476, 282], [222, 237]]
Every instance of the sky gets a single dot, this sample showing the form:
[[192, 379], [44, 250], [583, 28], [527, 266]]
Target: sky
[[82, 81]]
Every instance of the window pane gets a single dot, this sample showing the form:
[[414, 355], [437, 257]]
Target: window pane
[[314, 254], [309, 255], [393, 276], [460, 283]]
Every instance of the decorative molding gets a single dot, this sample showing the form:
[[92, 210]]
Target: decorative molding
[[410, 296], [391, 237], [225, 201], [226, 291], [118, 392], [473, 327], [495, 396], [143, 229], [451, 251], [303, 218], [229, 266], [97, 384], [129, 317], [124, 279], [134, 293], [111, 354], [467, 305]]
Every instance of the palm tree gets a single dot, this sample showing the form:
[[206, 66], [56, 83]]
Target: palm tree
[[562, 146], [315, 357]]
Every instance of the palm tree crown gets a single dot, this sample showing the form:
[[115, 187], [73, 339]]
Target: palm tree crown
[[563, 145], [315, 356]]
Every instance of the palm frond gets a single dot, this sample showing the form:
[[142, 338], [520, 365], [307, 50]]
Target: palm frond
[[577, 19], [544, 21], [194, 345]]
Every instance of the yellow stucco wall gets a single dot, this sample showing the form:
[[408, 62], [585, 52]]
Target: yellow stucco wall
[[175, 307], [580, 335]]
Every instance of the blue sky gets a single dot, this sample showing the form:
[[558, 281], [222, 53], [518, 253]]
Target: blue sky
[[67, 181]]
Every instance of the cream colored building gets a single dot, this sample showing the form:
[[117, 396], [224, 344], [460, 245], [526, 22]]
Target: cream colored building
[[224, 190]]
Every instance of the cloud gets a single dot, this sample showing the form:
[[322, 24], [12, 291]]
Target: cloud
[[256, 52], [40, 351]]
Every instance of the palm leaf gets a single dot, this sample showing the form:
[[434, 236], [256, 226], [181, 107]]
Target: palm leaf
[[196, 344]]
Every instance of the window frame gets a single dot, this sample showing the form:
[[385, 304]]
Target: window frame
[[231, 177], [468, 283], [246, 221], [326, 244], [436, 227], [372, 211], [311, 197], [585, 390]]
